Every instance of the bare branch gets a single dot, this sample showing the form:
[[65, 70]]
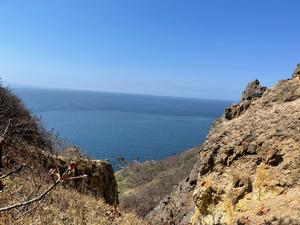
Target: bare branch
[[12, 172], [78, 177], [17, 191], [2, 137], [30, 201], [43, 194]]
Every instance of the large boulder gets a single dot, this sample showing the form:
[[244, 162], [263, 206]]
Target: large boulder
[[100, 181]]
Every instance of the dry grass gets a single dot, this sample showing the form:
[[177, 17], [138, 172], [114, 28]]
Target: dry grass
[[143, 185], [24, 140], [60, 206]]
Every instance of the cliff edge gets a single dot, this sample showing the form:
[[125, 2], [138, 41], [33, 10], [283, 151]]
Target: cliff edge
[[24, 141], [248, 169]]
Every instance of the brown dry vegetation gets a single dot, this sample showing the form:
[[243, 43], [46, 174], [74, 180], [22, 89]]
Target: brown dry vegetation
[[61, 206], [23, 140], [143, 185]]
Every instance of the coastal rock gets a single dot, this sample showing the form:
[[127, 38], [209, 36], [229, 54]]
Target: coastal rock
[[236, 110], [297, 71], [248, 167], [253, 91]]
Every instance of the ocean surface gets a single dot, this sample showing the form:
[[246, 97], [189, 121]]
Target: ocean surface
[[109, 125]]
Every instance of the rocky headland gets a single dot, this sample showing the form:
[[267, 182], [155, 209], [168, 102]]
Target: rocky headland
[[248, 169]]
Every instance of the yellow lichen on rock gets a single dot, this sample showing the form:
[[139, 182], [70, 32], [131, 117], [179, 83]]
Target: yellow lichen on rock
[[265, 183], [249, 165], [213, 202], [235, 193]]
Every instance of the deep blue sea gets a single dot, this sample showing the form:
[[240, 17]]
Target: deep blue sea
[[108, 125]]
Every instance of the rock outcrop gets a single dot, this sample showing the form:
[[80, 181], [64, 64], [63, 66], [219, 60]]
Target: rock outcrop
[[253, 91], [100, 181], [248, 171], [297, 71]]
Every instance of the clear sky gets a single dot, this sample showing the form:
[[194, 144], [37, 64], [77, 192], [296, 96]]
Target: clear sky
[[190, 48]]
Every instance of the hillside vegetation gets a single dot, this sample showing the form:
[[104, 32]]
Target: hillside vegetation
[[246, 172], [40, 186], [143, 185]]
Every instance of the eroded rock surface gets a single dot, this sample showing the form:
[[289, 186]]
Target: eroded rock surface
[[248, 170], [253, 91], [100, 179], [297, 71]]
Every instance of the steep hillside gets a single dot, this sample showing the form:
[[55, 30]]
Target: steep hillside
[[24, 141], [143, 185], [248, 169], [63, 206], [41, 186]]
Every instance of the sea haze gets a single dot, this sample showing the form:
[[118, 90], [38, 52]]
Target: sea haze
[[108, 125]]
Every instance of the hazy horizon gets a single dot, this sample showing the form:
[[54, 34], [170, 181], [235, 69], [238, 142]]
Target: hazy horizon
[[198, 49], [19, 86]]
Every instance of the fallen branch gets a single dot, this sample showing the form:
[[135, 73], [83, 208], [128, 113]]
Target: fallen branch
[[59, 180], [12, 172], [30, 201]]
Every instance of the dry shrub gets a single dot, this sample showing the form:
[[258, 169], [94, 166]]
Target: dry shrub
[[143, 185], [24, 140], [61, 206]]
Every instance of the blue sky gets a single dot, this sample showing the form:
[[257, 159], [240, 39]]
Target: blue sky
[[189, 48]]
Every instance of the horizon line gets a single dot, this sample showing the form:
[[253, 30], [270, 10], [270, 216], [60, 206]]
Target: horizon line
[[9, 85]]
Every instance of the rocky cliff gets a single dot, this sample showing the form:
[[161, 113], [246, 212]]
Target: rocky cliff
[[248, 169]]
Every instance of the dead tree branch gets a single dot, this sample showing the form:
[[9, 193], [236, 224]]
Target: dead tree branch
[[59, 180], [30, 201], [39, 197], [2, 137]]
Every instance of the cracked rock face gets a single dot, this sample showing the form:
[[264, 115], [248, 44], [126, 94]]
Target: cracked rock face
[[248, 170], [100, 181], [253, 90], [297, 71]]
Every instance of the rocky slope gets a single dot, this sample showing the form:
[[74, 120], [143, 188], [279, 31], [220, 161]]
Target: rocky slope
[[248, 169], [24, 141]]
